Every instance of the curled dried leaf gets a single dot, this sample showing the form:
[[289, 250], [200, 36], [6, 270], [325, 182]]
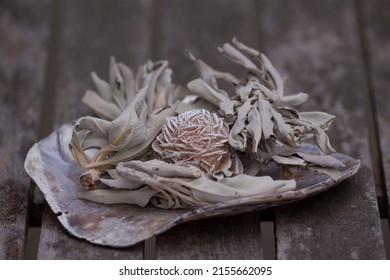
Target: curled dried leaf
[[131, 112], [179, 192], [269, 123], [197, 152]]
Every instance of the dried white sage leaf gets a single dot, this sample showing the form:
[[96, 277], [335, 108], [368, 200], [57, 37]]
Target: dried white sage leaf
[[178, 192], [138, 197], [270, 125], [128, 119]]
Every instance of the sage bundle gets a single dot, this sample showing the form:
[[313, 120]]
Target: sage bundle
[[131, 110], [264, 123], [167, 185], [154, 142]]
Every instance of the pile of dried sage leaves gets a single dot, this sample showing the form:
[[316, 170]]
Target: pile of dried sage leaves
[[155, 142]]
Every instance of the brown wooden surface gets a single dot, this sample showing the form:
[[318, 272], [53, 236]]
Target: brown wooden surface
[[22, 66], [236, 237], [201, 27], [377, 35], [316, 44], [57, 244], [92, 31], [204, 26], [337, 51]]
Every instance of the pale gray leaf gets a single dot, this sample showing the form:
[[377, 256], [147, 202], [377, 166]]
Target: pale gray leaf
[[117, 84], [245, 48], [205, 71], [103, 88], [242, 185], [320, 119], [321, 160], [236, 56], [104, 109], [294, 100], [97, 126], [139, 197], [237, 137], [227, 108], [202, 89], [331, 172], [91, 141], [288, 160], [122, 183], [162, 168], [323, 141], [274, 74], [254, 129], [129, 82], [267, 125]]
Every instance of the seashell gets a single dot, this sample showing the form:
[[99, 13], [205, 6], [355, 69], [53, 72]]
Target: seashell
[[51, 165]]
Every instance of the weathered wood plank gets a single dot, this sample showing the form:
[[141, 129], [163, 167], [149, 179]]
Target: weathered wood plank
[[377, 33], [59, 245], [316, 45], [22, 64], [92, 31], [236, 237], [202, 26]]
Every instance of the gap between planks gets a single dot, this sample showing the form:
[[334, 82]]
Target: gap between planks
[[149, 252], [49, 91], [155, 30], [268, 238], [46, 122], [375, 151]]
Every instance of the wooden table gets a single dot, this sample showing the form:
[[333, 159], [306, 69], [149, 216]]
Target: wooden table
[[337, 51]]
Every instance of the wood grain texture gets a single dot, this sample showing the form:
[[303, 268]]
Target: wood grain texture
[[91, 32], [57, 244], [377, 33], [316, 45], [236, 237], [202, 26], [24, 31]]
